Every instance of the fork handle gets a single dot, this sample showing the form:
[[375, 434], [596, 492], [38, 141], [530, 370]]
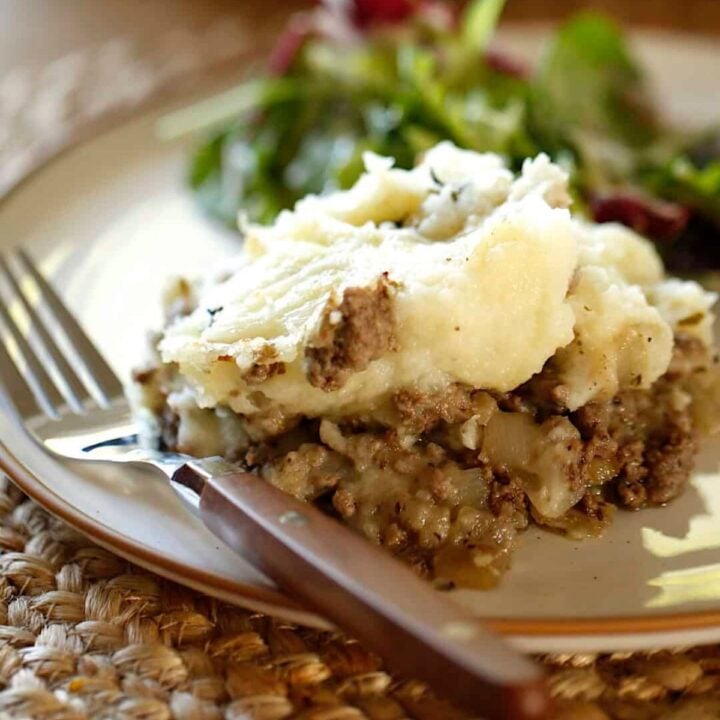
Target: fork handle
[[364, 590]]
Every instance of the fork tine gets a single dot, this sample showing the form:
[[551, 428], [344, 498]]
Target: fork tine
[[77, 391], [16, 388], [96, 365], [46, 392]]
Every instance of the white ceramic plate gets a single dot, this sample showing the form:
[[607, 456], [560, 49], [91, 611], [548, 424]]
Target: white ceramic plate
[[110, 219]]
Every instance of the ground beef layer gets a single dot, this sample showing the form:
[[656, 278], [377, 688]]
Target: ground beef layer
[[447, 481]]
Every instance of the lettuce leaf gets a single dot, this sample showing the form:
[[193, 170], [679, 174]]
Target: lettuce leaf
[[589, 85], [479, 22], [684, 182]]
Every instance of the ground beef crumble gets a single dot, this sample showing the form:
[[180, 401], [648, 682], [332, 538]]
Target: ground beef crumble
[[353, 333], [425, 487], [646, 439], [259, 373], [423, 411], [170, 422]]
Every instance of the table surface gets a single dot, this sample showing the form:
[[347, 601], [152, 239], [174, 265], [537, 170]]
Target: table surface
[[701, 16]]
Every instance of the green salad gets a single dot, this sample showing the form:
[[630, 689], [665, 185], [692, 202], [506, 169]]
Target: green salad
[[412, 74]]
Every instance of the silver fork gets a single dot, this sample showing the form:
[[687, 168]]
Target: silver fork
[[73, 418], [84, 415]]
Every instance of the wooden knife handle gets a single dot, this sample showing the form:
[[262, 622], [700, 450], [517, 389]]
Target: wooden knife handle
[[362, 589]]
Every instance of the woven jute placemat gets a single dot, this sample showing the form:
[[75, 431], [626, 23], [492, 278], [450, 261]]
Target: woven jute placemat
[[85, 634]]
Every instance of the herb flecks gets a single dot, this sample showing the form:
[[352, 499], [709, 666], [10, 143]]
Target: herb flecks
[[212, 312], [455, 193]]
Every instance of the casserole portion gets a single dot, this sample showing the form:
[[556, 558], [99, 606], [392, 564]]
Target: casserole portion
[[440, 356]]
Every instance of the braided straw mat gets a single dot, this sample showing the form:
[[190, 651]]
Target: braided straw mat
[[85, 634]]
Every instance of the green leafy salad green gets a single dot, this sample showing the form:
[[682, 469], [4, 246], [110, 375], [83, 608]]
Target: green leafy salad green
[[398, 87]]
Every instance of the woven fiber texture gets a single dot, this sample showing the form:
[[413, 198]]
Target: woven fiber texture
[[84, 634]]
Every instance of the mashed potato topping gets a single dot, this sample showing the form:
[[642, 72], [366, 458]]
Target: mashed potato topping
[[488, 276]]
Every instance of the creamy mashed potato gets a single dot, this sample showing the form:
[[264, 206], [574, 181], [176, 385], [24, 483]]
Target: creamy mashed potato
[[487, 276]]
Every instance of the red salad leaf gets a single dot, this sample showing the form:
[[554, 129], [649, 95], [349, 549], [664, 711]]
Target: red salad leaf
[[297, 32], [506, 64], [377, 12], [654, 218], [358, 14]]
